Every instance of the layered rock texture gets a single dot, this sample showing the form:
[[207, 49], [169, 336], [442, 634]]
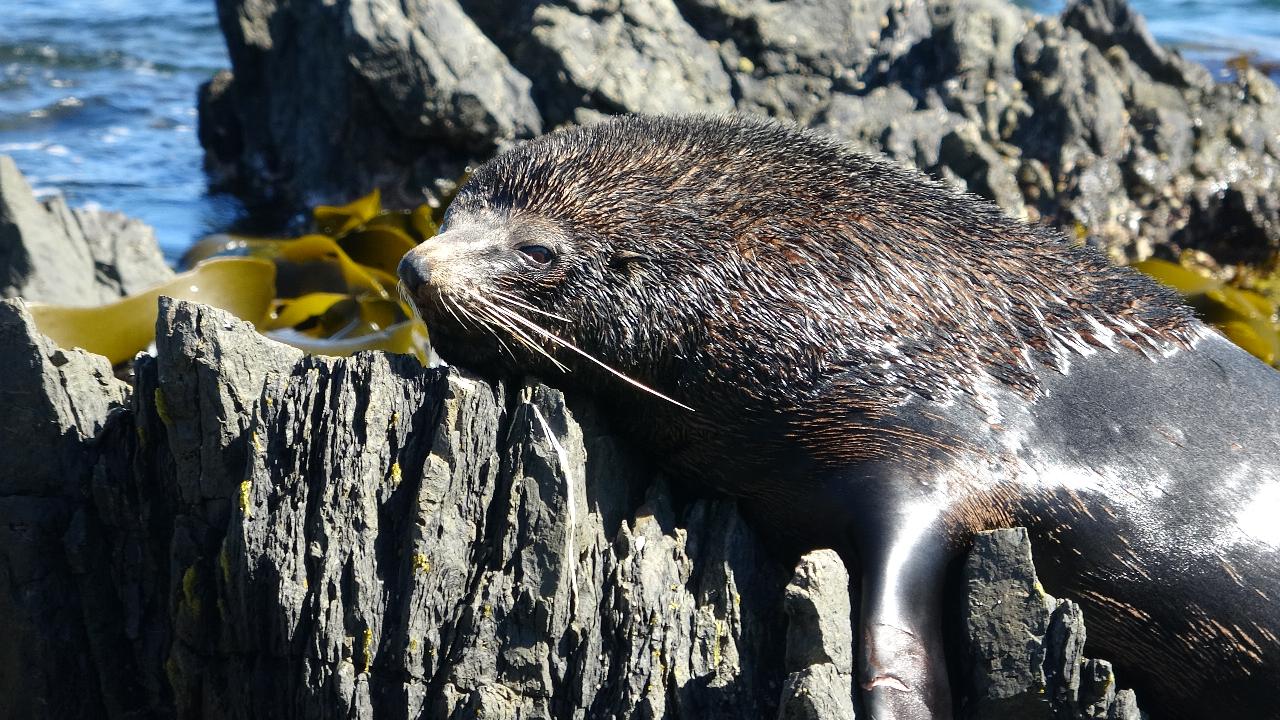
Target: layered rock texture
[[1082, 121], [249, 532]]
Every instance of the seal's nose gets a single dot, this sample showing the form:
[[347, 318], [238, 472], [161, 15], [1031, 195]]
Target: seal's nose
[[414, 273]]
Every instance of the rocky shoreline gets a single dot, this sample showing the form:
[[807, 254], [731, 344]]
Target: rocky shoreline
[[1082, 121], [244, 531]]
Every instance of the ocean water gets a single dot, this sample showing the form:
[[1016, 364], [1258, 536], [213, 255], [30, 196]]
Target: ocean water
[[1210, 32], [97, 100], [97, 97]]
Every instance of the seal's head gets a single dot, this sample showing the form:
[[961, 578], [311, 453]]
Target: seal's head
[[760, 275]]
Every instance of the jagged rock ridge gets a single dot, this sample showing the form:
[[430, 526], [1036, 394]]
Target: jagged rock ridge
[[251, 532], [1083, 121]]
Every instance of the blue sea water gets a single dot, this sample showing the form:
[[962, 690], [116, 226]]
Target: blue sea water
[[1207, 31], [97, 100], [97, 97]]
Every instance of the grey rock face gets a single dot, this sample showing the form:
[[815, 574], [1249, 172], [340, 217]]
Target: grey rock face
[[251, 532], [263, 533], [820, 641], [1025, 650], [126, 256], [436, 76], [356, 94], [51, 253], [625, 56], [56, 402], [1084, 121]]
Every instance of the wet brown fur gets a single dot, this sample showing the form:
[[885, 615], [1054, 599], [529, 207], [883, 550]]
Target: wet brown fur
[[820, 311], [792, 291]]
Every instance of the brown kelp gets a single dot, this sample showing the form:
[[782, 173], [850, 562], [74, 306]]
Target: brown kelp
[[118, 330], [332, 291], [1241, 303]]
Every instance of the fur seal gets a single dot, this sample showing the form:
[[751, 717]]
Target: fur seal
[[878, 362]]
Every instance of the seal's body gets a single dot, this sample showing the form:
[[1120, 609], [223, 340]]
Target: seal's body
[[873, 361]]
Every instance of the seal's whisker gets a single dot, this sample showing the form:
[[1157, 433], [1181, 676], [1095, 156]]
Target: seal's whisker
[[570, 346], [493, 324], [449, 307], [502, 343], [484, 322], [406, 299], [520, 335], [513, 300], [466, 316]]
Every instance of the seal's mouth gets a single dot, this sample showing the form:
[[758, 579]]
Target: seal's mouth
[[468, 322]]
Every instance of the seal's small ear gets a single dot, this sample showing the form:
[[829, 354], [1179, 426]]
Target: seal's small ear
[[623, 259]]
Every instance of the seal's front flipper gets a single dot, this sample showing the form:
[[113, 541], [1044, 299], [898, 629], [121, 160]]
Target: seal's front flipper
[[901, 667]]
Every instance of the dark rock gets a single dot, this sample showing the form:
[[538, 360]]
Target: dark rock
[[786, 59], [55, 402], [273, 534], [820, 660], [1024, 649], [35, 261], [436, 76], [1111, 23], [356, 94], [621, 56], [51, 253], [126, 256], [1084, 122], [218, 129], [888, 119], [980, 168], [1006, 616], [1235, 224]]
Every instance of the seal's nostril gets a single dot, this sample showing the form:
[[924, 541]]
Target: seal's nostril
[[413, 274]]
